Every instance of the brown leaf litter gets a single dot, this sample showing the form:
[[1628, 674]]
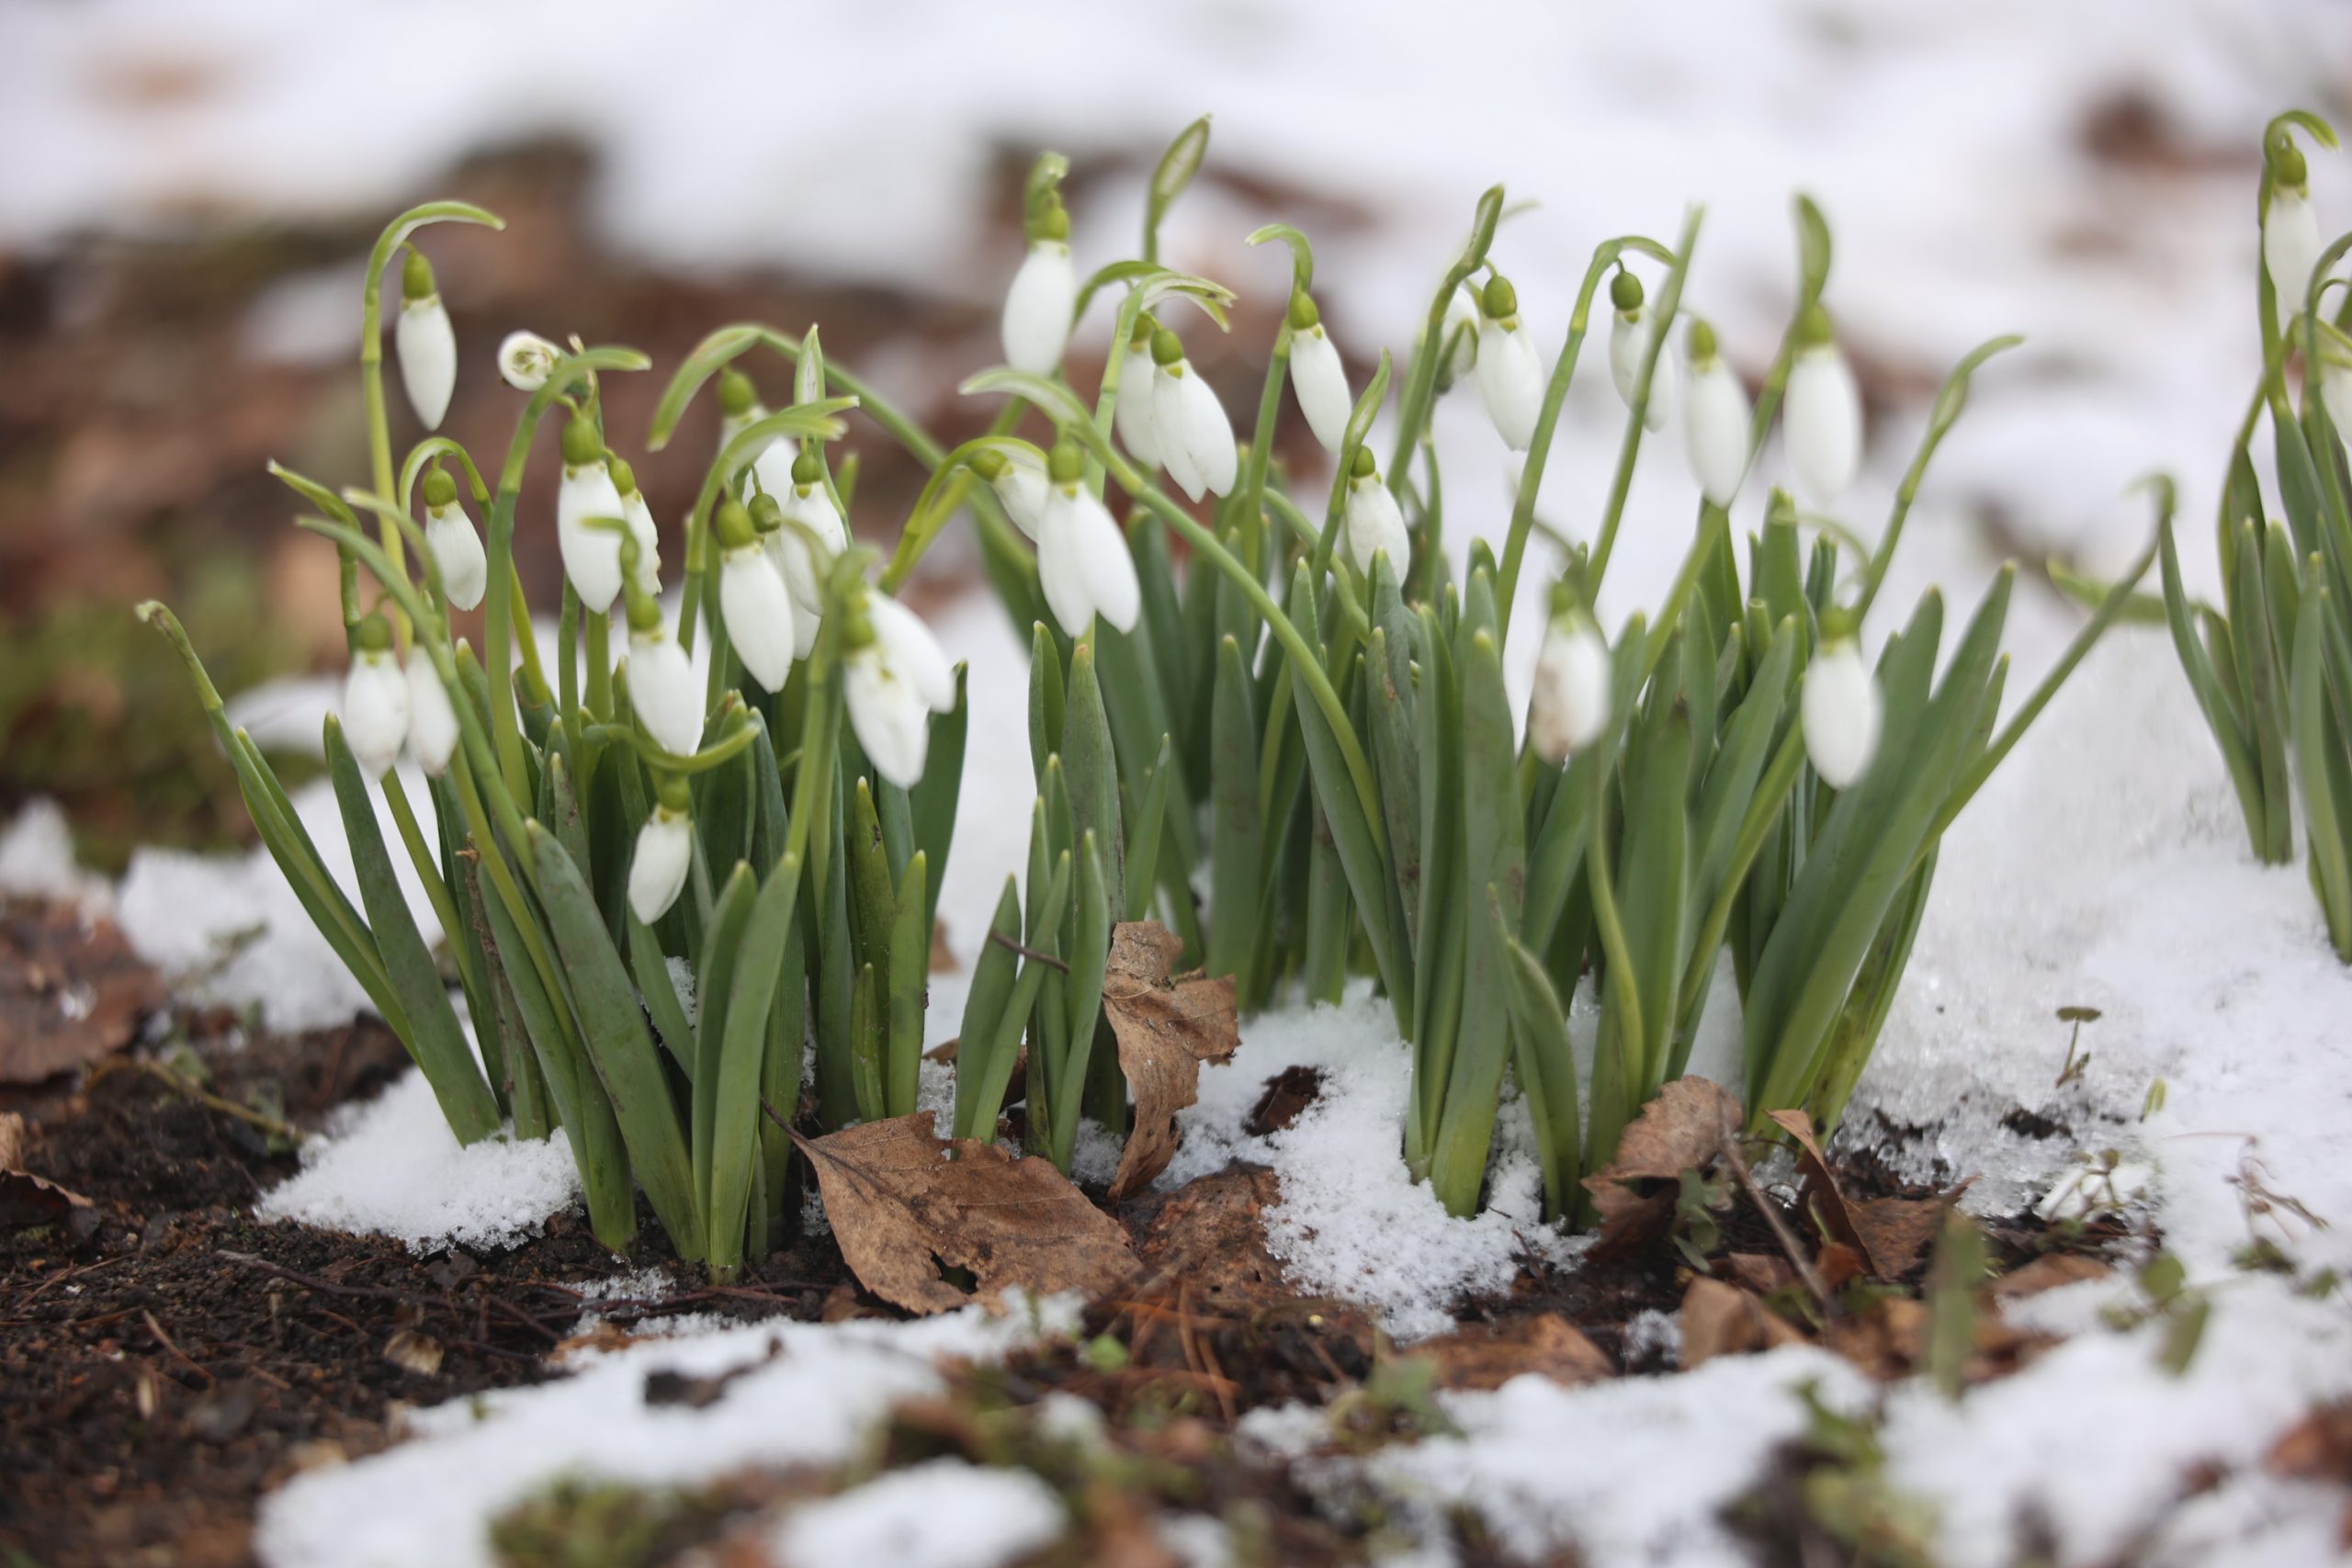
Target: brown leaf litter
[[1166, 1028]]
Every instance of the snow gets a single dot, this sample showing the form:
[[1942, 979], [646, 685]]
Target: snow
[[37, 861], [794, 1394], [392, 1168], [942, 1514]]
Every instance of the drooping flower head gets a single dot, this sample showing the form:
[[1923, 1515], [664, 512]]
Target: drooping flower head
[[1842, 708], [1039, 306], [1316, 375], [375, 698], [457, 547], [641, 530], [1195, 435], [592, 555], [1569, 706], [1631, 328], [807, 532], [426, 343], [1018, 481], [1715, 418], [661, 684], [1510, 373], [657, 869], [432, 721], [752, 599], [897, 677], [1824, 420], [1374, 522], [1131, 412], [1082, 559], [2290, 242]]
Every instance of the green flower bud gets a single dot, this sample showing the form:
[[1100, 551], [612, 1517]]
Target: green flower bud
[[1361, 466], [1702, 342], [416, 277], [624, 476], [733, 524], [988, 464], [736, 393], [1499, 300], [674, 792], [1304, 316], [1838, 623], [1167, 348], [807, 467], [644, 614], [1146, 329], [1066, 464], [767, 513], [1053, 223], [2288, 169], [374, 633], [440, 490], [1626, 291], [582, 444], [1812, 326]]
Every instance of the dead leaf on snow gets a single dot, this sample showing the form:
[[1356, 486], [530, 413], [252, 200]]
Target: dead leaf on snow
[[1890, 1234], [1165, 1028], [70, 991], [1488, 1355], [2047, 1272], [1682, 1129], [907, 1204], [1723, 1320], [2317, 1448]]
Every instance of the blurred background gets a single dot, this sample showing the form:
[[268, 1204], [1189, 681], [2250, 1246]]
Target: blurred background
[[190, 194]]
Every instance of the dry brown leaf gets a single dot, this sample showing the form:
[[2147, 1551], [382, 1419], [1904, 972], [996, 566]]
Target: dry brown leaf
[[1683, 1129], [905, 1204], [1760, 1272], [1889, 1235], [70, 992], [2047, 1272], [12, 1141], [1165, 1028], [1488, 1355], [1718, 1319], [2317, 1448], [1889, 1341]]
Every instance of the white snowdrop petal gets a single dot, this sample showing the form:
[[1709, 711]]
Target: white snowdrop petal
[[2290, 247], [375, 711], [525, 359], [428, 347], [1824, 425], [591, 557], [432, 722], [1320, 380], [758, 612], [1037, 309], [1629, 341], [1842, 711], [640, 518], [1168, 423], [457, 551], [1714, 429], [1374, 523], [662, 686], [1132, 410], [772, 470], [1207, 433], [657, 869], [1022, 491], [1511, 383], [1569, 707], [912, 652], [2335, 396], [1059, 574], [1462, 348], [1106, 572], [888, 719]]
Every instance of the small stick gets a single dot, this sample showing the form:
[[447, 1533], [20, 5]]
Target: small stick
[[1780, 1232], [1048, 959], [182, 1357]]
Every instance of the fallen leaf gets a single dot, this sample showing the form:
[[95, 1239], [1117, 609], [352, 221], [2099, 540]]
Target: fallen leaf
[[1888, 1340], [29, 1200], [1488, 1355], [1288, 1094], [413, 1352], [1682, 1129], [2317, 1448], [1759, 1271], [2047, 1272], [70, 991], [1838, 1266], [1165, 1028], [907, 1205], [1890, 1234], [1718, 1319]]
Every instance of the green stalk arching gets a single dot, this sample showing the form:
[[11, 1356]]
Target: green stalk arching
[[1621, 483]]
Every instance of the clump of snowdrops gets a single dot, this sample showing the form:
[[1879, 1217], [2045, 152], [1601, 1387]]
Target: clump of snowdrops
[[2272, 664]]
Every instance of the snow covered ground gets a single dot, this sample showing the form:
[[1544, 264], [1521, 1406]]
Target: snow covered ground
[[2105, 867]]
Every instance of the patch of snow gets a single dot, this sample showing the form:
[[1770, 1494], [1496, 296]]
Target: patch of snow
[[945, 1513], [37, 861], [796, 1393], [392, 1168]]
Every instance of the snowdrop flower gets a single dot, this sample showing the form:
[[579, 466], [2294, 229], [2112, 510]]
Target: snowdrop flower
[[1511, 376], [2290, 242], [1374, 523], [1715, 418], [592, 555], [1018, 481], [641, 530], [432, 722], [1082, 559], [526, 359], [1043, 296], [2335, 387], [1195, 438], [1459, 336], [1843, 711], [897, 678], [1131, 414], [657, 871], [426, 343], [1569, 706], [803, 511], [738, 408], [1823, 425], [375, 699], [662, 682], [1316, 375], [457, 548], [1629, 345], [752, 599]]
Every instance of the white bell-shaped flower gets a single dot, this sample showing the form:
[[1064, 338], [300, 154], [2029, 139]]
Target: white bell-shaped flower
[[526, 360], [1510, 373], [1842, 713], [2335, 393], [662, 684], [2290, 245], [1043, 296], [1316, 375], [1018, 481], [1823, 425], [1374, 522], [1195, 436], [1569, 706], [1082, 559], [1630, 331], [752, 599], [592, 555], [432, 721], [426, 343], [805, 512], [641, 530], [457, 548], [375, 700], [1131, 410], [893, 683], [1714, 419], [657, 868], [1460, 334]]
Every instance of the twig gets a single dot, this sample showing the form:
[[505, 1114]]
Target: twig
[[1048, 959], [182, 1357], [273, 1125], [1780, 1232]]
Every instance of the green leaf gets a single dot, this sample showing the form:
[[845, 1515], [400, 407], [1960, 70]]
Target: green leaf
[[1238, 839], [1177, 167], [1145, 834], [933, 800], [1545, 1064], [910, 974], [985, 1007]]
